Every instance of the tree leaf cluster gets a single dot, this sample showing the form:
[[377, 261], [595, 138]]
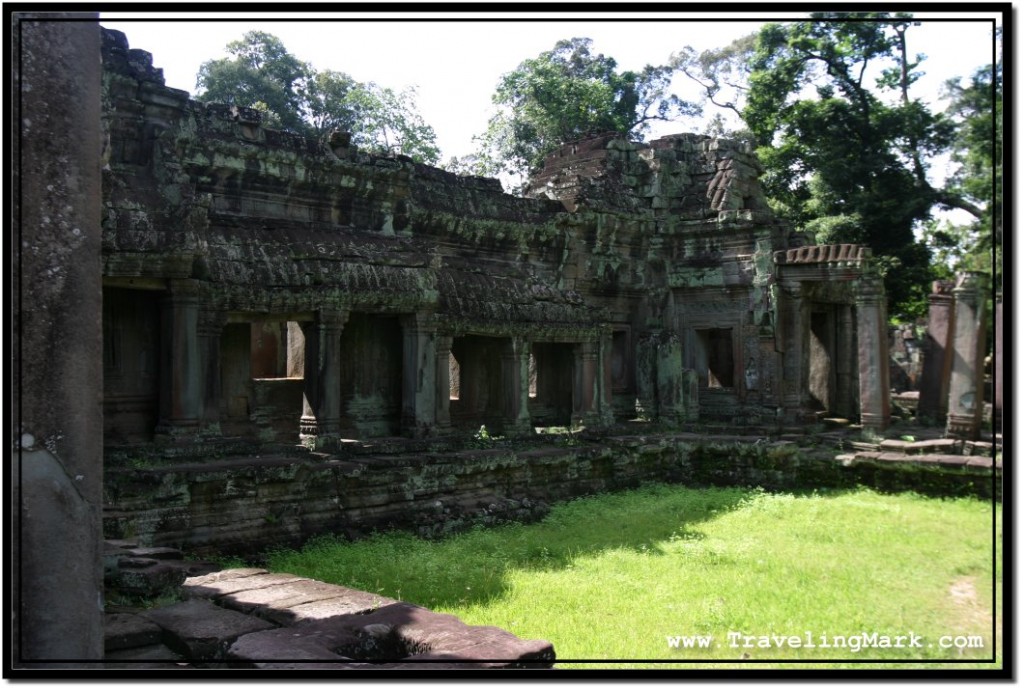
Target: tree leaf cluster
[[294, 96]]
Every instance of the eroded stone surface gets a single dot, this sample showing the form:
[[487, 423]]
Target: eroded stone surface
[[200, 630]]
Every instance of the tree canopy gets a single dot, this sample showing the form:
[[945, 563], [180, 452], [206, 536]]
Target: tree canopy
[[296, 97], [569, 93], [846, 146]]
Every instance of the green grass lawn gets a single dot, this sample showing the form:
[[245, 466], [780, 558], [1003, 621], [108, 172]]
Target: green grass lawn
[[613, 577]]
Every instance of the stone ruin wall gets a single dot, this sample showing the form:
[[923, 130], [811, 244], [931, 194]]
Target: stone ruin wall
[[644, 278]]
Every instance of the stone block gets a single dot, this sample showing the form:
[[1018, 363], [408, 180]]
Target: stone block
[[146, 577], [217, 588], [284, 644], [124, 630], [151, 653], [277, 603], [405, 631], [201, 630]]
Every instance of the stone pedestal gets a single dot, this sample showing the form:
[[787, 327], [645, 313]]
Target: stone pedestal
[[938, 354], [966, 383]]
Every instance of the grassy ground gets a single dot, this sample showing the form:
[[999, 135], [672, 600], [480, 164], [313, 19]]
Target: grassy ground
[[615, 577]]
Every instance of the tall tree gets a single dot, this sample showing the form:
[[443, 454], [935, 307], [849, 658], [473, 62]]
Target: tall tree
[[845, 145], [294, 96], [262, 74], [569, 93]]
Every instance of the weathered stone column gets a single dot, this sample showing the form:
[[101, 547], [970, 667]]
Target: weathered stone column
[[793, 336], [585, 372], [442, 382], [933, 398], [997, 368], [846, 362], [209, 330], [295, 364], [57, 579], [181, 376], [872, 354], [321, 399], [672, 385], [966, 384], [515, 368], [419, 375], [604, 399]]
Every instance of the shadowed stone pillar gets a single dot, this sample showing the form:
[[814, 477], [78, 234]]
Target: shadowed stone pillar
[[793, 337], [933, 399], [443, 384], [872, 355], [515, 367], [181, 377], [966, 393], [321, 398], [57, 575], [295, 363], [585, 397], [997, 369], [419, 375], [846, 362], [209, 330]]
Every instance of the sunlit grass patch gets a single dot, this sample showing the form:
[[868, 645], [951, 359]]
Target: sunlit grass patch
[[614, 577]]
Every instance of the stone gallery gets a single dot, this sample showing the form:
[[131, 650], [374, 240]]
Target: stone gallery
[[260, 285]]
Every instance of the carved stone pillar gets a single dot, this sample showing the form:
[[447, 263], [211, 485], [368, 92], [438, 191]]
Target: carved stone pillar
[[181, 379], [515, 368], [321, 399], [846, 362], [966, 392], [210, 328], [442, 382], [586, 386], [872, 355], [419, 375], [997, 368], [793, 334], [933, 399]]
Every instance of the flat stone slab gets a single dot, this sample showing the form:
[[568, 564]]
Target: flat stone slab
[[226, 586], [148, 653], [201, 630], [406, 632], [124, 630], [284, 644], [276, 602], [356, 602], [948, 446]]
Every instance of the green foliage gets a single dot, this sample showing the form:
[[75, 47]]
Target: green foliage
[[845, 145], [294, 96], [569, 93]]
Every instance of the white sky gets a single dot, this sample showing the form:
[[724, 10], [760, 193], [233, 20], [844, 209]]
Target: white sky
[[456, 65]]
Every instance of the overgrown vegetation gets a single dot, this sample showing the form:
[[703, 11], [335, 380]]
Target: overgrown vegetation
[[612, 577]]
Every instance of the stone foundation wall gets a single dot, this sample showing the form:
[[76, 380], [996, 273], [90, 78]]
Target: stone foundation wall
[[248, 505]]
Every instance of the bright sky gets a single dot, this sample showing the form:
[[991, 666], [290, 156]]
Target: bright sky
[[455, 65]]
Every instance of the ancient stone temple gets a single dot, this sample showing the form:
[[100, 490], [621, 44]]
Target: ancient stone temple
[[260, 285]]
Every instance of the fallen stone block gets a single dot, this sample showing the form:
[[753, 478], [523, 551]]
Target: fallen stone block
[[149, 653], [124, 630], [284, 644], [200, 630], [218, 588], [278, 603], [352, 603], [145, 577]]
